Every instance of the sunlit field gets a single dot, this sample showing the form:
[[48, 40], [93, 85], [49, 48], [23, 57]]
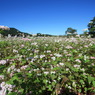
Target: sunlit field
[[47, 66]]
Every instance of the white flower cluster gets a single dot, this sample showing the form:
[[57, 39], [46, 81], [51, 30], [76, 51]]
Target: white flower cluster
[[41, 56], [35, 43], [53, 58], [15, 51], [69, 47], [77, 66], [46, 72], [1, 77], [3, 62], [61, 64], [4, 87], [86, 57], [48, 51], [52, 72], [77, 60], [68, 86], [57, 55], [24, 67], [11, 68]]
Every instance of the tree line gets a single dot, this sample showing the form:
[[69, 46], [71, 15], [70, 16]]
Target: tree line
[[91, 29]]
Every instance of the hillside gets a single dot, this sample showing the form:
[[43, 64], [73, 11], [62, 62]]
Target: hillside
[[4, 30]]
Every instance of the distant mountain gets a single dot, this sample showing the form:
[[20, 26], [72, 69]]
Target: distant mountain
[[4, 28], [5, 31]]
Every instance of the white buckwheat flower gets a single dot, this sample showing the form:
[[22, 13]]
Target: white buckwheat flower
[[53, 58], [77, 60], [46, 72], [3, 62], [58, 55], [41, 56], [61, 64], [24, 67], [77, 66], [1, 77]]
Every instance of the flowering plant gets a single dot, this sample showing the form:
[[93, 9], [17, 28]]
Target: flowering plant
[[51, 66]]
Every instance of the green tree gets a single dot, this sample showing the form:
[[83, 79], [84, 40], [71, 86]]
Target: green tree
[[91, 27], [71, 31], [2, 32]]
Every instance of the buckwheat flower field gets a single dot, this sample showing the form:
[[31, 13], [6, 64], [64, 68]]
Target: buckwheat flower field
[[47, 66]]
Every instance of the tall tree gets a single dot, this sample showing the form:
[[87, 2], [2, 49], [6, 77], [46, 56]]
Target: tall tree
[[91, 27], [70, 31]]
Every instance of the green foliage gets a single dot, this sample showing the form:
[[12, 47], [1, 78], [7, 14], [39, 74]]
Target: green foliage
[[71, 31], [44, 35], [91, 27]]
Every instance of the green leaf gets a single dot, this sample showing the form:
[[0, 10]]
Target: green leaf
[[93, 83], [94, 90], [37, 80], [85, 89], [53, 84], [79, 90], [49, 87], [81, 81], [90, 79], [12, 93], [45, 81]]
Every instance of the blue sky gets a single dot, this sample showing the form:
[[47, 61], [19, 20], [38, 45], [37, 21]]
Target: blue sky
[[47, 16]]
